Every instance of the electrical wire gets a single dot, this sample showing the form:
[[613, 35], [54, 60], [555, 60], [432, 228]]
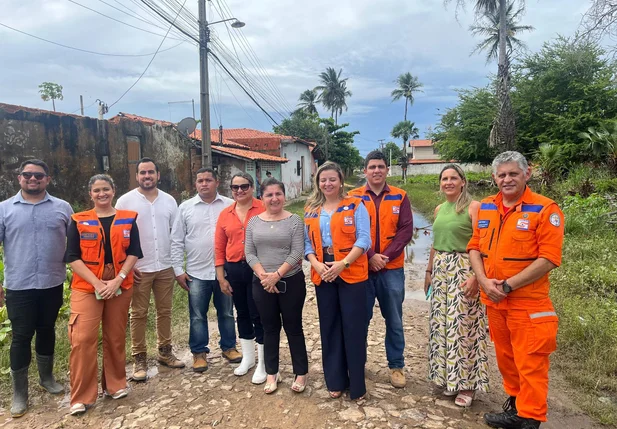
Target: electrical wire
[[86, 50], [85, 108], [148, 66]]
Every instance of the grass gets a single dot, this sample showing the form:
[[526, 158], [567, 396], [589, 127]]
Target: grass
[[583, 290]]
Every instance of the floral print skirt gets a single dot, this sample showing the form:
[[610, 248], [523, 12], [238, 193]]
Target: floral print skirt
[[458, 336]]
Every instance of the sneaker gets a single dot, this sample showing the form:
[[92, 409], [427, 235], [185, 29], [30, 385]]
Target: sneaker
[[397, 377], [507, 419], [77, 409], [166, 357], [140, 367], [200, 364], [122, 393], [232, 355]]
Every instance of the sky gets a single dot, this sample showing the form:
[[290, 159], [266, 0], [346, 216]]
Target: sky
[[293, 41]]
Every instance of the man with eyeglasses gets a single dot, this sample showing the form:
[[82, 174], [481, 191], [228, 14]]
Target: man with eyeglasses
[[33, 227], [193, 235]]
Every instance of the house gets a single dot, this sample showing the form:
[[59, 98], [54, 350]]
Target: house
[[295, 173], [423, 152]]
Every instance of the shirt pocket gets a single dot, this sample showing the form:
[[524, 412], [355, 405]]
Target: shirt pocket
[[542, 338]]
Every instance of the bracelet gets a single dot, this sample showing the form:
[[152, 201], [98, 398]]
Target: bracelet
[[279, 274], [429, 271]]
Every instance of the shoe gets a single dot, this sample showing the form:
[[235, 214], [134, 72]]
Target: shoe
[[232, 355], [299, 387], [200, 364], [46, 377], [449, 393], [362, 398], [507, 419], [122, 393], [140, 367], [465, 400], [166, 357], [530, 424], [397, 377], [248, 357], [77, 409], [260, 374], [272, 387], [335, 394], [20, 392]]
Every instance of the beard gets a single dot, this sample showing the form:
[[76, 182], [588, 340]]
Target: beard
[[33, 191]]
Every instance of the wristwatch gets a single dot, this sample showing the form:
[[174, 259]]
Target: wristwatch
[[345, 263], [122, 275], [506, 287]]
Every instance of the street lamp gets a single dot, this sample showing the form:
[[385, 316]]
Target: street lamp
[[204, 98]]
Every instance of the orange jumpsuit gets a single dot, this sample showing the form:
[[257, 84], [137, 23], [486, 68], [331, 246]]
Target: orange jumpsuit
[[523, 326]]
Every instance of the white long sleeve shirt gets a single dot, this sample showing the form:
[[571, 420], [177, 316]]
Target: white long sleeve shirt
[[154, 221], [193, 234]]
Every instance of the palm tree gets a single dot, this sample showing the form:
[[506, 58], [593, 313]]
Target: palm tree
[[307, 101], [333, 92], [404, 130], [488, 27], [407, 85]]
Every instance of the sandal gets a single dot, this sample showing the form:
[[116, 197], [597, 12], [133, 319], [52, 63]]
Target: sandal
[[299, 387], [449, 393], [335, 394], [272, 387], [464, 398]]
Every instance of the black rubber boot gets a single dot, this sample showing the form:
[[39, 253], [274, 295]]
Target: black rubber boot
[[507, 419], [530, 424], [46, 377], [20, 392]]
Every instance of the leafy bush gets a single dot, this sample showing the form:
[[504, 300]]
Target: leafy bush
[[606, 186], [585, 214]]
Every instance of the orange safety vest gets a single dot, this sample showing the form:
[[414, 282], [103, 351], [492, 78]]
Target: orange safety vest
[[510, 242], [91, 238], [343, 231], [387, 217]]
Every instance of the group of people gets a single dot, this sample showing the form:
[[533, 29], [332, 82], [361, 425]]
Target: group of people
[[488, 265]]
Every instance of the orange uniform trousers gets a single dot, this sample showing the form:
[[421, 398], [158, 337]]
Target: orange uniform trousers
[[87, 313], [524, 339]]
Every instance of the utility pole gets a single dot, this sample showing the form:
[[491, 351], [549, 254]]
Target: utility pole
[[204, 97], [381, 143], [81, 103]]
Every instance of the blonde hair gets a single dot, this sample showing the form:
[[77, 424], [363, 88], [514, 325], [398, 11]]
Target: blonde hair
[[465, 198], [317, 198]]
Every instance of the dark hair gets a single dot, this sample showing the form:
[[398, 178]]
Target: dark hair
[[271, 181], [208, 170], [146, 159], [36, 162], [244, 176], [268, 172], [377, 155], [104, 177]]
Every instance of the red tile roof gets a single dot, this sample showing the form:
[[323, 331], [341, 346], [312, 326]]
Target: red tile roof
[[137, 118], [248, 154], [250, 134], [214, 138], [13, 108], [420, 143]]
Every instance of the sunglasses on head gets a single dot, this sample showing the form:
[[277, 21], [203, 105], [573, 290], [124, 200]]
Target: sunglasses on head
[[245, 187], [37, 176]]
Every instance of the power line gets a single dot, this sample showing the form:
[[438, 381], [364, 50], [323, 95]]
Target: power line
[[148, 66], [86, 50]]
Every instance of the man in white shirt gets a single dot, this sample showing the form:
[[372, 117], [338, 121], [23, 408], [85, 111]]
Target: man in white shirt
[[193, 234], [157, 211]]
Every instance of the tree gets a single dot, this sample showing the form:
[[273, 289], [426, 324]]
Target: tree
[[488, 27], [404, 130], [392, 152], [306, 126], [51, 91], [307, 101], [407, 85], [333, 92], [599, 21]]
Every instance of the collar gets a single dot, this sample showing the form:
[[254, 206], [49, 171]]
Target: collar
[[256, 204], [527, 198], [20, 199], [368, 189], [197, 199]]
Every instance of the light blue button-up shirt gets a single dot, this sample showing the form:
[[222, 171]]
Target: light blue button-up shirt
[[34, 240], [363, 230]]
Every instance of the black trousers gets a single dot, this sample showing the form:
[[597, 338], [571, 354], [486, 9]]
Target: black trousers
[[30, 311], [240, 277], [342, 308], [286, 307]]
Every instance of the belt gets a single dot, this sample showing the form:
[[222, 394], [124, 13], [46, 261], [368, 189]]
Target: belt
[[328, 250]]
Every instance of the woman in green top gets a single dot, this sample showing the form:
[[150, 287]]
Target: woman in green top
[[458, 360]]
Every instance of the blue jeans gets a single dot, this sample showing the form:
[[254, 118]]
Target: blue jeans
[[388, 286], [200, 293]]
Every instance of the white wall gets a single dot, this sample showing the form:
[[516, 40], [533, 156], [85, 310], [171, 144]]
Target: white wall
[[417, 169], [290, 176]]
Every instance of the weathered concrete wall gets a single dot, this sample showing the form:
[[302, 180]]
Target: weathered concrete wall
[[417, 169], [289, 171], [227, 167], [74, 148]]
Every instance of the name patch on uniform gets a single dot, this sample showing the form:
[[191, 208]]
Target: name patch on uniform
[[555, 220], [483, 223], [522, 224], [396, 209], [126, 233], [88, 236], [348, 220]]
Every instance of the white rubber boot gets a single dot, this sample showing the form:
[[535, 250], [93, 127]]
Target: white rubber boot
[[260, 375], [248, 357]]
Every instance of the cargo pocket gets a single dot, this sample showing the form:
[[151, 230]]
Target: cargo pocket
[[542, 332], [72, 320]]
